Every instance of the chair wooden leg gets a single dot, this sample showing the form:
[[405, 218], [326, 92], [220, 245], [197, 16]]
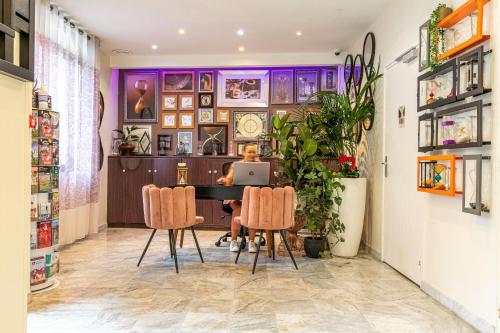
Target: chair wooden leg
[[147, 246], [273, 245], [283, 237], [195, 241], [258, 250], [269, 243], [170, 244], [181, 243], [173, 245], [238, 255]]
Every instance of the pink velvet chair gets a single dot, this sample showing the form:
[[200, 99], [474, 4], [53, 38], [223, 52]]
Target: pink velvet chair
[[270, 210], [170, 209]]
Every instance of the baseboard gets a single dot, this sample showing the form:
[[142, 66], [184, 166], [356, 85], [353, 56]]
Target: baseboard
[[478, 323], [374, 253], [102, 227]]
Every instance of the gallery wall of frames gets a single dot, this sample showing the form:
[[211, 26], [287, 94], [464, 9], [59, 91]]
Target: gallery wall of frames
[[214, 111], [454, 102]]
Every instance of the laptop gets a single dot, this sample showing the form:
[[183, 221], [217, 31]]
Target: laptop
[[251, 173]]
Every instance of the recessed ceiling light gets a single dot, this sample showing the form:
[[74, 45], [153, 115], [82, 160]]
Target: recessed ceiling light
[[154, 47], [240, 32], [241, 49], [299, 33], [181, 31]]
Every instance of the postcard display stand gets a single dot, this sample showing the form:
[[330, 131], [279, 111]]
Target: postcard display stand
[[456, 103], [44, 263]]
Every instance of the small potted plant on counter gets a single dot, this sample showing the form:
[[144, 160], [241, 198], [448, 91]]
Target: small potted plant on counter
[[128, 140]]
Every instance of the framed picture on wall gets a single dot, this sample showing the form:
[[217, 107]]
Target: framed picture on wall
[[186, 119], [248, 126], [282, 86], [423, 50], [178, 81], [205, 116], [164, 144], [186, 102], [206, 81], [185, 142], [169, 120], [329, 79], [307, 84], [213, 137], [140, 93], [169, 102], [243, 88], [143, 145], [223, 116], [205, 100]]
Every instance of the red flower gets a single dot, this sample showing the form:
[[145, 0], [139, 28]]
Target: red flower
[[352, 167], [352, 160], [342, 159]]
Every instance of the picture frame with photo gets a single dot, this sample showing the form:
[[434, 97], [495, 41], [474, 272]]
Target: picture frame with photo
[[186, 102], [177, 81], [249, 125], [143, 144], [306, 84], [282, 86], [169, 120], [205, 100], [184, 143], [206, 81], [164, 144], [186, 120], [329, 79], [140, 97], [243, 88], [223, 116], [213, 137], [205, 116], [169, 102]]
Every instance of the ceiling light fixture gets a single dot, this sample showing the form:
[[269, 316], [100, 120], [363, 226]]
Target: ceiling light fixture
[[241, 49], [240, 32], [181, 31], [298, 33], [154, 47]]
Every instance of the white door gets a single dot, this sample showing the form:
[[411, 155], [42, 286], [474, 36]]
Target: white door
[[402, 228]]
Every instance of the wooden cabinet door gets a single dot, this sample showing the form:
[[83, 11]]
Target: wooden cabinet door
[[116, 190], [139, 172], [199, 171], [165, 171]]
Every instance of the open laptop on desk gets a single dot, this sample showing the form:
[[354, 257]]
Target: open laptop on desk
[[251, 173]]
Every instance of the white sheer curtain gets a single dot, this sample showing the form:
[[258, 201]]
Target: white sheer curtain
[[66, 64]]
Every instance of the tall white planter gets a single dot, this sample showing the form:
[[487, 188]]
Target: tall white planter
[[352, 214]]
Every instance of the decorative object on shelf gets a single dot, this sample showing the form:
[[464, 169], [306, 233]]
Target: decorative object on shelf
[[436, 174], [182, 174], [438, 87], [243, 88], [307, 85], [223, 116], [206, 81], [205, 116], [169, 120], [164, 144], [169, 102], [474, 74], [329, 79], [249, 125], [423, 50], [186, 119], [213, 139], [184, 143], [43, 99], [282, 86], [186, 102], [178, 81], [473, 181], [140, 97], [436, 35], [426, 132], [127, 137], [205, 100]]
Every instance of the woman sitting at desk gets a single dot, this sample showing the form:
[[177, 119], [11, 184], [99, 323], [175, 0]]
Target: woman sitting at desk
[[249, 155]]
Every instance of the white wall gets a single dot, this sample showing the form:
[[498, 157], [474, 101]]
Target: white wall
[[459, 261], [15, 192]]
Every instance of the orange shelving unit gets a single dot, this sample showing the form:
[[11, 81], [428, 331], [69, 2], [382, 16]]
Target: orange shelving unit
[[422, 185], [459, 14]]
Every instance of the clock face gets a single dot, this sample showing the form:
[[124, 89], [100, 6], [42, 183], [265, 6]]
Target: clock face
[[250, 125]]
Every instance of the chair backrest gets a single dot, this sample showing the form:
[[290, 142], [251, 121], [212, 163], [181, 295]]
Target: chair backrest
[[168, 208], [268, 209], [225, 168]]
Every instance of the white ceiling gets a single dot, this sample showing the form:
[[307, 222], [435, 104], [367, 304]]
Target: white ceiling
[[211, 25]]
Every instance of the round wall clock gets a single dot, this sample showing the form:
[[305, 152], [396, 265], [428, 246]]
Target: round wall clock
[[249, 125]]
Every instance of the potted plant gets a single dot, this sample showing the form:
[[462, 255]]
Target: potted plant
[[128, 140], [436, 34]]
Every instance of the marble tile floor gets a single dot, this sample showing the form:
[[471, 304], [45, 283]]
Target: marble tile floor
[[102, 290]]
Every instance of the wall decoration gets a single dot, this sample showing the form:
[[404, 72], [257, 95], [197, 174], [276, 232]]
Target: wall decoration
[[282, 86], [186, 119], [206, 100], [438, 87], [178, 81], [223, 116], [143, 144], [423, 53], [213, 139], [241, 147], [184, 143], [169, 120], [472, 181], [206, 81], [474, 73], [205, 116], [249, 125], [140, 97], [401, 116], [281, 113], [436, 174], [329, 79], [186, 102], [426, 132], [307, 84], [348, 72], [164, 144], [169, 102], [369, 50], [243, 88]]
